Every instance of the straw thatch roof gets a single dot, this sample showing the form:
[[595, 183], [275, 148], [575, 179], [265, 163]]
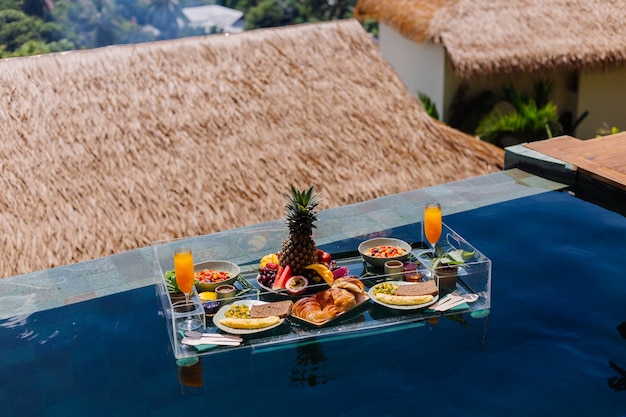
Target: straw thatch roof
[[106, 150], [484, 37]]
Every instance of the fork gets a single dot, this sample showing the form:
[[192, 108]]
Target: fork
[[445, 299]]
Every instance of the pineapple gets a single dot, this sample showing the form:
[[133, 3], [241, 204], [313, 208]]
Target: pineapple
[[299, 249]]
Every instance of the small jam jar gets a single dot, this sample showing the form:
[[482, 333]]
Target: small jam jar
[[225, 291], [411, 274]]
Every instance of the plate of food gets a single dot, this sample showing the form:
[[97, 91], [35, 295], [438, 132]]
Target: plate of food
[[345, 295], [251, 316], [403, 295]]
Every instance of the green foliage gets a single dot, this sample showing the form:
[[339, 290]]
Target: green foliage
[[17, 28], [32, 48], [272, 13], [532, 118], [81, 24], [9, 4], [465, 114], [605, 131], [35, 8], [268, 13], [371, 27], [164, 15], [429, 106]]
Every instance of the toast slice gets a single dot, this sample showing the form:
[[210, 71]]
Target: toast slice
[[279, 308], [419, 288]]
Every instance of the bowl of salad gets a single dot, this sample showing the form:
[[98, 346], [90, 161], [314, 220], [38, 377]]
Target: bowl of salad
[[211, 274]]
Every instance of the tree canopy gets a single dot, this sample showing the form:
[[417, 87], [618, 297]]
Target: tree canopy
[[29, 27]]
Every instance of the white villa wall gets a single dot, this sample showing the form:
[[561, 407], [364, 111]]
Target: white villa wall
[[420, 67], [425, 68], [603, 94]]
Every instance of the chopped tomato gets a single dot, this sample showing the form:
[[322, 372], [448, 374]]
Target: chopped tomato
[[386, 251], [211, 276]]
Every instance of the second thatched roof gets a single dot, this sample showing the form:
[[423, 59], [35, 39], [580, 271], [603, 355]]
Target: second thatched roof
[[484, 37], [106, 150]]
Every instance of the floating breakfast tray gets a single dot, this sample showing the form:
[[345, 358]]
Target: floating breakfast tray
[[369, 318]]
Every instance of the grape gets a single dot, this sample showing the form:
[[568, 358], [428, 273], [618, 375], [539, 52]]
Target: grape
[[267, 276]]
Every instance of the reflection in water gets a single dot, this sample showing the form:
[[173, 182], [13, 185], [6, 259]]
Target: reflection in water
[[190, 377], [306, 370], [618, 382]]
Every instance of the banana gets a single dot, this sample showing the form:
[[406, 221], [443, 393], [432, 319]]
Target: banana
[[403, 300], [323, 271], [259, 323]]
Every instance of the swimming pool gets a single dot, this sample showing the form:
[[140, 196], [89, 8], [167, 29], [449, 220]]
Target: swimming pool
[[557, 301]]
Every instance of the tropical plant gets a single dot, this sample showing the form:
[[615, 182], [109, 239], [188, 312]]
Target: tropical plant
[[466, 113], [532, 118], [453, 257], [605, 130], [429, 105]]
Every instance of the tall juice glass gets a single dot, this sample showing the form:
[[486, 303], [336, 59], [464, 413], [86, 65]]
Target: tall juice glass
[[183, 268], [432, 223]]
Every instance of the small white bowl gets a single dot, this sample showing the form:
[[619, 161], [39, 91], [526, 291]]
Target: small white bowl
[[364, 248]]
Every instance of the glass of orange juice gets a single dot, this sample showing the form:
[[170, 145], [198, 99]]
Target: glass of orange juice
[[184, 271], [432, 223]]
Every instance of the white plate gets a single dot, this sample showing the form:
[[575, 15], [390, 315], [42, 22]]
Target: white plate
[[221, 314], [397, 307]]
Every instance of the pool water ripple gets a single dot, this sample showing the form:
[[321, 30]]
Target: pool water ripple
[[552, 344]]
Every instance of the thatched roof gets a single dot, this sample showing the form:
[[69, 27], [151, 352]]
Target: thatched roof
[[485, 37], [106, 150]]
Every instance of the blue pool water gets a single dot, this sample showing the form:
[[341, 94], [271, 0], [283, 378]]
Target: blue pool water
[[551, 345]]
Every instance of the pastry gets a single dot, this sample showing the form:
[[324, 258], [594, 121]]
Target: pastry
[[350, 283]]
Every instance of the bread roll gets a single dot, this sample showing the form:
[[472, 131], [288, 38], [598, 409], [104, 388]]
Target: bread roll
[[350, 283], [342, 299]]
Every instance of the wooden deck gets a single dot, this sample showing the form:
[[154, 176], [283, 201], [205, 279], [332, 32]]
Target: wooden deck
[[602, 158]]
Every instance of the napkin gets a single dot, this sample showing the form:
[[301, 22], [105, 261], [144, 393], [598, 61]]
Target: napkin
[[202, 348]]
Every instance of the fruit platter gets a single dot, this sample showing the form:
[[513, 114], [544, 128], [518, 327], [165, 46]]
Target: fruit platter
[[301, 290]]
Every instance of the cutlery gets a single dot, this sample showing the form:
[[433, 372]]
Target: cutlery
[[465, 298], [209, 341], [445, 299], [192, 334]]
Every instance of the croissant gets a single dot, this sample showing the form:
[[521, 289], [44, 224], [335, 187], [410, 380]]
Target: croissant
[[309, 308]]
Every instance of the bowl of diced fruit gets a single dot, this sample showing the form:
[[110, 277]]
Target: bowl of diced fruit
[[379, 250], [211, 274]]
